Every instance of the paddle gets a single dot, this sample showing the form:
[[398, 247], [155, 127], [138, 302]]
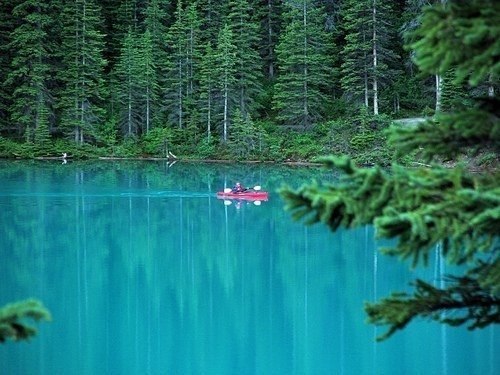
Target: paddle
[[256, 188]]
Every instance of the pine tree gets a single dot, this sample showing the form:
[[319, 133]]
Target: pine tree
[[42, 131], [454, 97], [211, 13], [193, 56], [137, 88], [369, 60], [243, 138], [383, 55], [193, 50], [248, 64], [13, 319], [208, 89], [83, 69], [356, 51], [31, 69], [303, 66], [128, 72], [149, 88], [155, 22], [269, 15], [225, 78], [114, 30], [177, 78], [412, 14], [156, 25], [131, 15], [433, 207], [409, 89], [119, 18], [6, 28]]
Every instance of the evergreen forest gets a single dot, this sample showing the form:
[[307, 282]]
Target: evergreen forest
[[205, 79]]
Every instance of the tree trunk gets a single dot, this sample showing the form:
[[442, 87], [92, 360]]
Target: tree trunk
[[209, 114], [439, 82], [375, 78], [306, 104], [225, 108], [129, 114], [397, 106], [270, 68], [491, 88], [82, 98], [82, 119], [179, 96], [191, 57], [367, 104], [147, 109]]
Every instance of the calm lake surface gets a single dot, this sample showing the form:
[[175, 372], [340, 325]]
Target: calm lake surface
[[146, 272]]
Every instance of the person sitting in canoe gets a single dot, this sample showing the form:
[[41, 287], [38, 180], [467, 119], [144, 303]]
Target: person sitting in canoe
[[238, 188]]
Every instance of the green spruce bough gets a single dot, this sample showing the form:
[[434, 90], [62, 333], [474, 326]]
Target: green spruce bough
[[426, 208], [13, 319]]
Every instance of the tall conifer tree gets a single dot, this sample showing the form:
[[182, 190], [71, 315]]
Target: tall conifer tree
[[225, 78], [193, 52], [156, 26], [248, 63], [303, 65], [454, 97], [6, 28], [149, 87], [370, 62], [208, 89], [356, 51], [82, 100], [31, 69], [211, 14], [243, 138], [420, 90], [269, 16], [128, 72], [183, 65]]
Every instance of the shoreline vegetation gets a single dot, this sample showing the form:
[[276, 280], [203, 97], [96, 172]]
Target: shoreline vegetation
[[472, 164], [375, 152], [363, 138]]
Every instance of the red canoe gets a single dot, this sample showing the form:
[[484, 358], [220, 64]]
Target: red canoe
[[250, 195]]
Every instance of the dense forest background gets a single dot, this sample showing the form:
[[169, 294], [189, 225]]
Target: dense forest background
[[239, 79]]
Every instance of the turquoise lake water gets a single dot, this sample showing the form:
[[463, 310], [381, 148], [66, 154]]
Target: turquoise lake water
[[146, 272]]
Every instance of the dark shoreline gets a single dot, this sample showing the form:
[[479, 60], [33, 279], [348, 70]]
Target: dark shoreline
[[214, 161]]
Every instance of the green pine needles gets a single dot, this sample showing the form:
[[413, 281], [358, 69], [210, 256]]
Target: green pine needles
[[466, 295], [421, 208], [13, 319], [451, 209]]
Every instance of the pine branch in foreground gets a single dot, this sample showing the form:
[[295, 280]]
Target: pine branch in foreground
[[13, 316], [466, 301], [421, 208], [425, 207]]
